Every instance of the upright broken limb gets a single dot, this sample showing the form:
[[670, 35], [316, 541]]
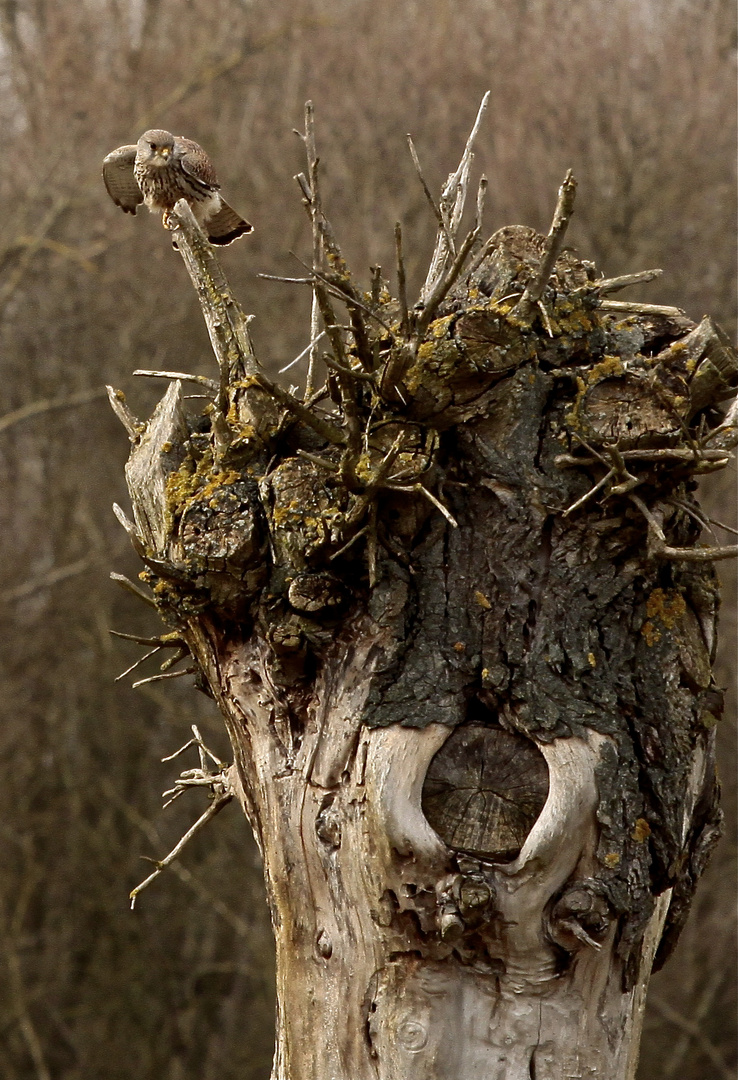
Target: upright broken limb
[[460, 631]]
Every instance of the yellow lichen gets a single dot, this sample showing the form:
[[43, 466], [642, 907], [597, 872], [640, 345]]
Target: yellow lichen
[[482, 600], [592, 659], [201, 482], [662, 606], [572, 417], [612, 859], [440, 327], [607, 368], [641, 830], [666, 605]]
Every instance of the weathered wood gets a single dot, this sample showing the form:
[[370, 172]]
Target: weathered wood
[[460, 646]]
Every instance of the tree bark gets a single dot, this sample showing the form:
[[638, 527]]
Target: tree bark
[[456, 616]]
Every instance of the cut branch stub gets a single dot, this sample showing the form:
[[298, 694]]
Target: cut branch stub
[[484, 790], [159, 452]]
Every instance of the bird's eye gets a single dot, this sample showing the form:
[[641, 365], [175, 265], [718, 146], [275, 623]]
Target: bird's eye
[[152, 145]]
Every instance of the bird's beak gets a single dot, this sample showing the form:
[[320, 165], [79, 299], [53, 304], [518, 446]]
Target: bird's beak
[[165, 151]]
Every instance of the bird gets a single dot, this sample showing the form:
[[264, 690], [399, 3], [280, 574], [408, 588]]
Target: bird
[[162, 168]]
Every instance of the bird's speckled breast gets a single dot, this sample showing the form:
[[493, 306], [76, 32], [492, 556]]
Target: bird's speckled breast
[[161, 187]]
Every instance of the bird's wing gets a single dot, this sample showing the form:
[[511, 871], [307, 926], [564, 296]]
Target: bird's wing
[[119, 179], [196, 163]]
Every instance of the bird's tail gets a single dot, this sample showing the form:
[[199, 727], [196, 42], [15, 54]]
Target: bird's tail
[[226, 226]]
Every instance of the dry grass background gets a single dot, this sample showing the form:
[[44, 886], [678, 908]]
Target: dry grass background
[[637, 96]]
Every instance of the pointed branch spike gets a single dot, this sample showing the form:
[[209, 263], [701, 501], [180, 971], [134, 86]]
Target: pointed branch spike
[[481, 197], [554, 243], [130, 528], [401, 282], [453, 198], [444, 284], [215, 807], [442, 225], [611, 285], [133, 426], [137, 663], [128, 585], [455, 179], [166, 675], [201, 380]]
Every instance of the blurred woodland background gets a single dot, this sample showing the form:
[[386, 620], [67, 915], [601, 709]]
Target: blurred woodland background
[[636, 96]]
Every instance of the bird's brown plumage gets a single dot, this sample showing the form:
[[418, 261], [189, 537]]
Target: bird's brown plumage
[[162, 168]]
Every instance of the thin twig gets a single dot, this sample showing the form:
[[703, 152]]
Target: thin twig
[[544, 316], [588, 495], [401, 282], [131, 529], [421, 490], [133, 426], [128, 585], [166, 675], [46, 581], [720, 525], [696, 1032], [442, 224], [186, 876], [664, 551], [343, 292], [699, 519], [47, 405], [304, 185], [481, 198], [641, 309], [314, 338], [677, 453], [314, 341], [456, 184], [365, 376], [197, 741], [137, 663], [444, 284], [167, 641], [286, 280], [554, 243], [328, 431], [342, 550], [215, 807], [322, 463], [610, 285], [201, 380]]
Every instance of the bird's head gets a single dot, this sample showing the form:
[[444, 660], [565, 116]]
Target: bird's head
[[155, 147]]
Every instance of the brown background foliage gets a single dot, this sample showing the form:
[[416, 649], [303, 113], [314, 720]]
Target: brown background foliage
[[635, 95]]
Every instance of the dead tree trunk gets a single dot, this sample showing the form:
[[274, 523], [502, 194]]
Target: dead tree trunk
[[455, 613]]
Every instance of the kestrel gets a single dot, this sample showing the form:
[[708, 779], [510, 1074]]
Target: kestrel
[[162, 168]]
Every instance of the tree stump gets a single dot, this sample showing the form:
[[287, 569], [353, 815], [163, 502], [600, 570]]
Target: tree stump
[[455, 612]]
